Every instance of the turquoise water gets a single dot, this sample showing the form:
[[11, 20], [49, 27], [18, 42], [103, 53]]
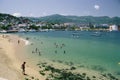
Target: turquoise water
[[86, 48]]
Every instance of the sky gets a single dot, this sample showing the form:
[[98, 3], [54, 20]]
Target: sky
[[39, 8]]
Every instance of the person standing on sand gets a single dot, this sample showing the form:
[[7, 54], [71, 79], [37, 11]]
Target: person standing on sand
[[23, 68], [18, 41]]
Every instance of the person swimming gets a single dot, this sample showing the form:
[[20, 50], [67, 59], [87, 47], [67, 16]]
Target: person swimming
[[64, 51]]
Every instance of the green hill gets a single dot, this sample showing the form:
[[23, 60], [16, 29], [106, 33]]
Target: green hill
[[56, 18], [7, 18], [80, 19]]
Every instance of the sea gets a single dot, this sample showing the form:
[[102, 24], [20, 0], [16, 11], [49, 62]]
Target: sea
[[97, 50]]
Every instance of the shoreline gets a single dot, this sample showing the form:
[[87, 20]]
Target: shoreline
[[8, 60], [12, 56]]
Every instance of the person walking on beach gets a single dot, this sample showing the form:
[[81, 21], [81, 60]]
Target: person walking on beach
[[23, 68], [18, 41]]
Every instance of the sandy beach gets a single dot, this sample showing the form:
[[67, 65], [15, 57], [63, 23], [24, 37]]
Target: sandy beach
[[8, 60], [11, 59], [12, 56]]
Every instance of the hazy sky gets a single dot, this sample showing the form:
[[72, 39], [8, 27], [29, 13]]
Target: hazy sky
[[39, 8]]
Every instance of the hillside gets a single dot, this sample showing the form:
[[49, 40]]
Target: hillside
[[79, 19], [7, 18], [56, 18]]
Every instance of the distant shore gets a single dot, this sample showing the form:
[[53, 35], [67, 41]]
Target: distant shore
[[12, 49]]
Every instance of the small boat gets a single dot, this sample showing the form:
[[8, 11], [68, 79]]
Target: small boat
[[97, 34]]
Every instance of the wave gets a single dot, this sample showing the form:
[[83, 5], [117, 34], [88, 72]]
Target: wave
[[26, 41]]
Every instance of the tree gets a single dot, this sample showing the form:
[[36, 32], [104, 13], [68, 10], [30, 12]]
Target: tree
[[91, 25], [44, 27], [4, 27], [34, 27]]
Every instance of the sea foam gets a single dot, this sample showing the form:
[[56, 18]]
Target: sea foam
[[26, 41]]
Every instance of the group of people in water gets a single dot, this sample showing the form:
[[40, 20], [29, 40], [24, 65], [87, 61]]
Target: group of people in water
[[38, 51], [59, 46]]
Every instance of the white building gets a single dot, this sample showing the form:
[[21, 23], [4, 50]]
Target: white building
[[113, 28], [22, 25]]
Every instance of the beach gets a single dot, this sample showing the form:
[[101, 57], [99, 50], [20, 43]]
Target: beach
[[11, 59], [8, 61], [12, 55]]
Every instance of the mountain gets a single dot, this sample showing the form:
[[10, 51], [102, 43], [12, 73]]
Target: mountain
[[7, 18], [56, 18], [79, 19]]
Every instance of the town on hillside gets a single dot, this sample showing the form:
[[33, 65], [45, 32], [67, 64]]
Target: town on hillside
[[9, 23]]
